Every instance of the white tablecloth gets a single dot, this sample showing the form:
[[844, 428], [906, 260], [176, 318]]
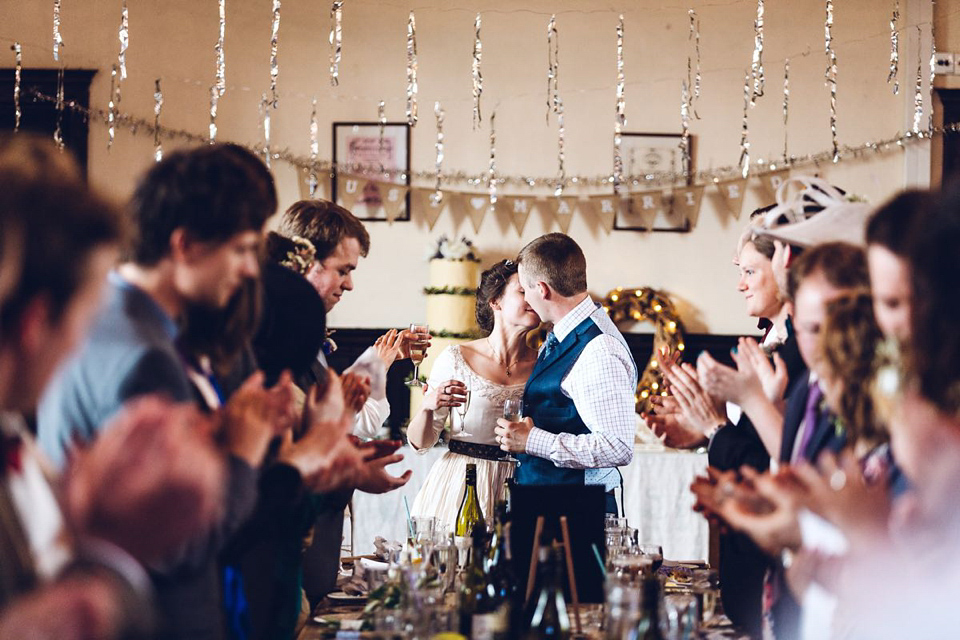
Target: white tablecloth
[[656, 495]]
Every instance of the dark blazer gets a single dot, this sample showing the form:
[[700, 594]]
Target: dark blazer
[[742, 564], [130, 352], [825, 435]]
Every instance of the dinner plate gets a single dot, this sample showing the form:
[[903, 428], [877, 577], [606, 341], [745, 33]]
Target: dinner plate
[[345, 598]]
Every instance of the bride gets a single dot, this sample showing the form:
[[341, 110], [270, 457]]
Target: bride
[[492, 369]]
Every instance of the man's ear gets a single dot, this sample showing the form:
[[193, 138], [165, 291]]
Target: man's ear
[[34, 325], [183, 247], [544, 289]]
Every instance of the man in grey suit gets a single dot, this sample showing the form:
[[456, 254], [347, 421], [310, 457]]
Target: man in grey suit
[[199, 216]]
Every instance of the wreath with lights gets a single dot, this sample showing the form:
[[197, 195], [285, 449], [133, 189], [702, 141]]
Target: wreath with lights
[[628, 304]]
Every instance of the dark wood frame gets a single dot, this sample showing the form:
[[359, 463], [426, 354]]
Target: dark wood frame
[[406, 169], [685, 228]]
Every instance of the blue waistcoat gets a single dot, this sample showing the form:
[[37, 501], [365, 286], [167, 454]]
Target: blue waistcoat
[[551, 410]]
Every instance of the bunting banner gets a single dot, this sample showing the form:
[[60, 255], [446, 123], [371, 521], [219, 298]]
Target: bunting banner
[[393, 198], [323, 185], [606, 208], [478, 205], [686, 203], [732, 192], [349, 190], [562, 209], [774, 179], [518, 209], [425, 202]]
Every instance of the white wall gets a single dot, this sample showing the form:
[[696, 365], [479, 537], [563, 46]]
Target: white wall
[[174, 39]]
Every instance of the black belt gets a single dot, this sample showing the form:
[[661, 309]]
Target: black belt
[[477, 450]]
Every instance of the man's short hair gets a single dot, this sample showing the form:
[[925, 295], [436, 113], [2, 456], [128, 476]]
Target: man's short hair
[[213, 192], [60, 220], [557, 260], [325, 224], [890, 226], [843, 265]]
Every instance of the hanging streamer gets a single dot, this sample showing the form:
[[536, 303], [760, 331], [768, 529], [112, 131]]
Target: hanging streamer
[[831, 77], [918, 91], [894, 49], [786, 104], [621, 120], [214, 101], [221, 78], [437, 196], [685, 125], [312, 180], [382, 121], [553, 68], [274, 45], [412, 71], [124, 36], [757, 67], [561, 171], [112, 108], [492, 172], [58, 132], [477, 76], [18, 61], [933, 63], [57, 38], [157, 106], [265, 114], [744, 133], [695, 83], [336, 41]]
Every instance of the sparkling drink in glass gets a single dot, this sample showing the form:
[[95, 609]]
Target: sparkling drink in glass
[[417, 351]]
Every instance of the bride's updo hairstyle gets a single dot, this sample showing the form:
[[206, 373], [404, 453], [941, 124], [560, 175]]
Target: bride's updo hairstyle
[[492, 283]]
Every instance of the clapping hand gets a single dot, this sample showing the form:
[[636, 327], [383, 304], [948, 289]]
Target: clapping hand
[[373, 476], [254, 416], [389, 346], [356, 390], [690, 414]]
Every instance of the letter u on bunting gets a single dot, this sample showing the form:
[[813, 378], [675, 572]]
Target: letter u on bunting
[[686, 203], [518, 208], [732, 192], [428, 206], [349, 190], [562, 210], [606, 209]]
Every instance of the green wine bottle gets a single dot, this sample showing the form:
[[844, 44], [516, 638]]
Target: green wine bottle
[[549, 618], [650, 627], [481, 615], [470, 513]]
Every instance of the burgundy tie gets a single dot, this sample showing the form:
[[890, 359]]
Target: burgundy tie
[[810, 418]]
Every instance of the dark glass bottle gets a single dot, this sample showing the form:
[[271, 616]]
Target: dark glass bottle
[[651, 625], [482, 616], [549, 617]]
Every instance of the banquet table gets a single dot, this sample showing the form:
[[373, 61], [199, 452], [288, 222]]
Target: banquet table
[[656, 500]]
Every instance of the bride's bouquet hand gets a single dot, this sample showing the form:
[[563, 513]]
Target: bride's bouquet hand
[[451, 393]]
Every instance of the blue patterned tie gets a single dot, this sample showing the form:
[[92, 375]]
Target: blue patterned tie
[[548, 347]]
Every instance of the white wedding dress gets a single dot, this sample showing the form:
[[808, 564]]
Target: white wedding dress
[[442, 491]]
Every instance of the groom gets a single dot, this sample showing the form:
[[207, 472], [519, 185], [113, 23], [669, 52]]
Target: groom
[[579, 400]]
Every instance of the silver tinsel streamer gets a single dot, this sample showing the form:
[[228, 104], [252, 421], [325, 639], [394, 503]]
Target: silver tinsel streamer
[[58, 132], [313, 180], [437, 196], [933, 62], [685, 124], [492, 171], [412, 88], [831, 77], [894, 49], [477, 76], [786, 104], [744, 134], [621, 120], [265, 114], [57, 38], [918, 92], [553, 68], [221, 78], [757, 67], [695, 83], [274, 45], [336, 41], [157, 106], [112, 106], [382, 121], [561, 155], [214, 101], [124, 36], [18, 61]]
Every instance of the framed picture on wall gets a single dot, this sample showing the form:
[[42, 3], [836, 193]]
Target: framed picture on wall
[[371, 174], [648, 153]]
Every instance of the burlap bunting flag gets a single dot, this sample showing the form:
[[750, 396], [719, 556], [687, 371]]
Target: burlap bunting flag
[[606, 209], [429, 206], [393, 198], [686, 204], [774, 179], [562, 210], [349, 190], [518, 208], [732, 192], [478, 205], [323, 185]]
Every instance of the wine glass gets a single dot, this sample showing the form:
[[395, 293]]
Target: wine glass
[[513, 412], [461, 410], [654, 552], [417, 351]]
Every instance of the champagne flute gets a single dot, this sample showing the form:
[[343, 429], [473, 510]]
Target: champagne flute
[[513, 412], [417, 351], [461, 410]]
